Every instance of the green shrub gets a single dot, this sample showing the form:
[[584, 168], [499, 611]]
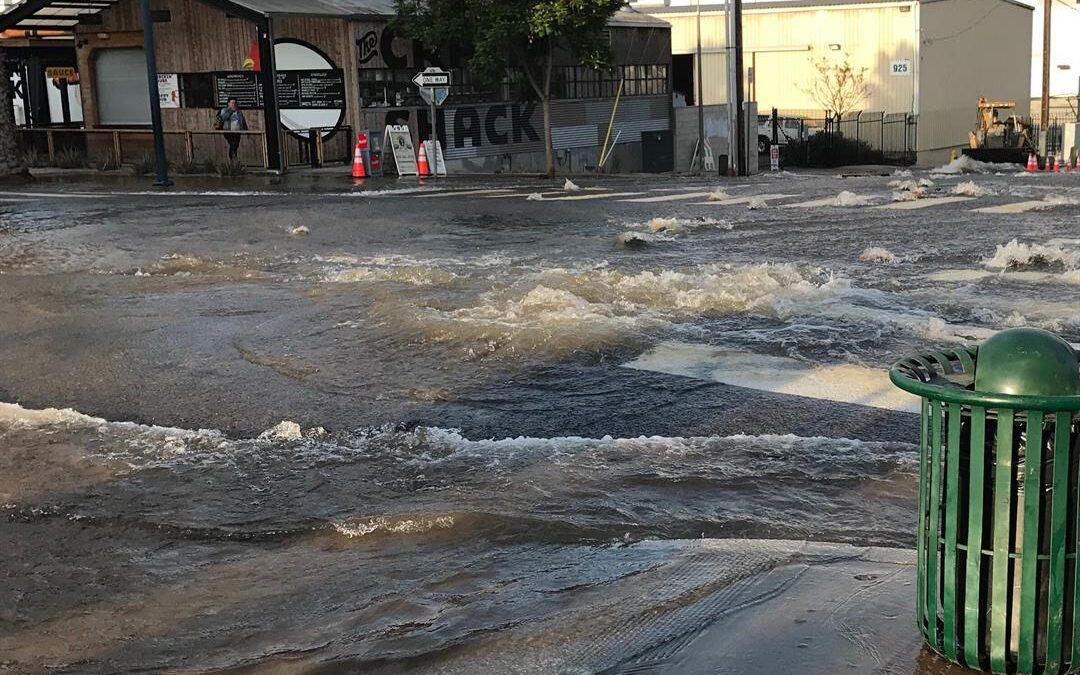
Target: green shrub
[[34, 159], [144, 166], [70, 158], [829, 149], [108, 163], [230, 169], [194, 166]]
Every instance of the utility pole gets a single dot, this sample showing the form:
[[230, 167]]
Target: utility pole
[[740, 114], [700, 90], [732, 75], [161, 164], [1044, 119]]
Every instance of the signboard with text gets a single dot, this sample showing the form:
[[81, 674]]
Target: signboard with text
[[296, 89], [169, 90], [901, 68]]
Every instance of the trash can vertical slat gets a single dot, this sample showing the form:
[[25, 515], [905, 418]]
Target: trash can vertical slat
[[973, 578], [952, 485], [933, 554], [1029, 560], [999, 593], [924, 506], [1059, 513], [965, 360]]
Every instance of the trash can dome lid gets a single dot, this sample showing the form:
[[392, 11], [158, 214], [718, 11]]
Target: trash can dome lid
[[1027, 362]]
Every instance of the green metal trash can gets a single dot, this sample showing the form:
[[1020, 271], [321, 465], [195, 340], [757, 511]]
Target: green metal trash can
[[998, 582]]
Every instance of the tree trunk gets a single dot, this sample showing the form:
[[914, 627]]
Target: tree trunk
[[11, 164], [546, 97]]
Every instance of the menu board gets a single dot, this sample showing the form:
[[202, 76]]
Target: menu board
[[241, 85], [296, 89], [311, 89]]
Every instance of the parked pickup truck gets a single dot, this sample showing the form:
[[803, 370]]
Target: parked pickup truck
[[789, 129]]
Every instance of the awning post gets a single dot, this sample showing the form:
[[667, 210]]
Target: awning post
[[268, 80], [161, 163]]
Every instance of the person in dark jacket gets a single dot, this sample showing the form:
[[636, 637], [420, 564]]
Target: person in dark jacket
[[232, 119]]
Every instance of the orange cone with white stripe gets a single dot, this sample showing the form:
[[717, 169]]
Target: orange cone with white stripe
[[1057, 163], [358, 169], [1033, 162], [422, 166]]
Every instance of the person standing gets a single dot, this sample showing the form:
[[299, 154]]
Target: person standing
[[230, 120]]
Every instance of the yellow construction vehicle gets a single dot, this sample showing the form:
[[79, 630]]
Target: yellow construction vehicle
[[999, 135]]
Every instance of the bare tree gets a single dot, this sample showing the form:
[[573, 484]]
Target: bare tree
[[11, 163], [838, 87]]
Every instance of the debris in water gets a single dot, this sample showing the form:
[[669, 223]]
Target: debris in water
[[756, 203], [300, 231], [906, 196], [570, 186], [719, 196], [846, 198], [970, 189], [877, 254], [535, 197], [282, 431], [633, 240], [902, 173]]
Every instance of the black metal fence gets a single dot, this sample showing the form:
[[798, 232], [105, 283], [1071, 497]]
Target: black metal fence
[[854, 138]]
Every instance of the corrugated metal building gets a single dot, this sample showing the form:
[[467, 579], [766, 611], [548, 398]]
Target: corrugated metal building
[[339, 67], [932, 58]]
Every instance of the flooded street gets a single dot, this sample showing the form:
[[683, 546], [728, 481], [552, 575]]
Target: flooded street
[[495, 426]]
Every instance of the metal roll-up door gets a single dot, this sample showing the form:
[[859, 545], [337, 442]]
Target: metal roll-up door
[[123, 97]]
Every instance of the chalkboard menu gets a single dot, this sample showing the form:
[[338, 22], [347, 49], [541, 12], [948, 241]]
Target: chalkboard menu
[[241, 85], [296, 89], [311, 89]]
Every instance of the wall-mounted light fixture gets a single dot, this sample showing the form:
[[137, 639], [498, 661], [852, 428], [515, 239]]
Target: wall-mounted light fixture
[[834, 47]]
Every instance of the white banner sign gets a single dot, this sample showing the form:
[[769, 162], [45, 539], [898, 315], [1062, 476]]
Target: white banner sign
[[398, 139], [169, 90]]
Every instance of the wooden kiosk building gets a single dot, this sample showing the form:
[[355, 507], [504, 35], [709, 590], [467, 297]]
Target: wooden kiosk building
[[314, 72]]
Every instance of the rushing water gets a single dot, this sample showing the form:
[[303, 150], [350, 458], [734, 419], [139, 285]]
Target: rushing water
[[470, 342]]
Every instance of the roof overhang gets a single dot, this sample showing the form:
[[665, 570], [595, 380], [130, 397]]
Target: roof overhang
[[65, 15]]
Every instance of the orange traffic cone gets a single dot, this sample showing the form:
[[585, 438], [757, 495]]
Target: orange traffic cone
[[1057, 164], [358, 169], [1048, 165], [422, 163], [1033, 162]]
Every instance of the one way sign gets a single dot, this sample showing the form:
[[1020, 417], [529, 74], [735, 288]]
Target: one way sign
[[432, 77]]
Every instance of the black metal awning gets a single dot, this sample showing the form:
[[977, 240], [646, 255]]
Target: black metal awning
[[58, 15], [64, 15]]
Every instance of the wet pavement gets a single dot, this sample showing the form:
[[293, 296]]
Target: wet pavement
[[510, 422]]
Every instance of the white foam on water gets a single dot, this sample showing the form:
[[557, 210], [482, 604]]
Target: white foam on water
[[535, 197], [570, 186], [675, 225], [409, 525], [300, 231], [720, 196], [843, 382], [756, 203], [908, 195], [1071, 277], [564, 309], [1019, 256], [964, 164], [148, 447]]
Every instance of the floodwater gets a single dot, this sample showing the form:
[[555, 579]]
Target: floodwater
[[480, 432]]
